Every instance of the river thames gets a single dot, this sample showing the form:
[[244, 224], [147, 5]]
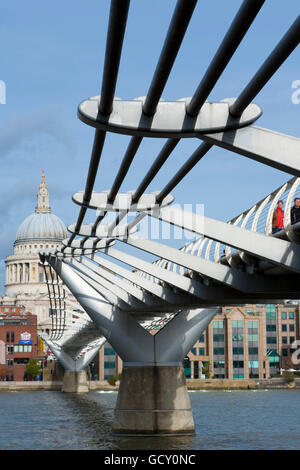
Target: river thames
[[250, 419]]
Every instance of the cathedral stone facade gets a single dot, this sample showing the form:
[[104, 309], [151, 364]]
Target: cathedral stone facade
[[25, 280]]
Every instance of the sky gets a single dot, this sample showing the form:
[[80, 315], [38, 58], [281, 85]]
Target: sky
[[52, 59]]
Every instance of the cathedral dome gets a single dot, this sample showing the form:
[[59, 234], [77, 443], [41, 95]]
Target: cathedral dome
[[42, 225]]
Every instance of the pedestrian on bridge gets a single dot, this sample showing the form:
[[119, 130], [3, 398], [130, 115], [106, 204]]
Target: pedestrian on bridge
[[295, 211], [278, 214]]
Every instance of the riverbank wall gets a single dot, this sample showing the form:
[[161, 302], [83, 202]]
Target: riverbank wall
[[199, 384], [56, 385], [243, 384]]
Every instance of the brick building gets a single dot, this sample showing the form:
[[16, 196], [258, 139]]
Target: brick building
[[18, 341]]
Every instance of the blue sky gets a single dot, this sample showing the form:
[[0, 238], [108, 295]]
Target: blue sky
[[52, 58]]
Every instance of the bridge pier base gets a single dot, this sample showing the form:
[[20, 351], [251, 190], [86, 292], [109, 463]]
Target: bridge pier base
[[153, 397], [153, 400], [75, 382]]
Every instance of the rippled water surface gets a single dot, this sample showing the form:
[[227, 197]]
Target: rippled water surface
[[254, 419]]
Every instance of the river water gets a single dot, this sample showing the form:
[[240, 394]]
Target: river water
[[244, 419]]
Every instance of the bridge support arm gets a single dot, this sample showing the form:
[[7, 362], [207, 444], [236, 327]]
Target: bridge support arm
[[75, 379], [262, 145], [153, 397]]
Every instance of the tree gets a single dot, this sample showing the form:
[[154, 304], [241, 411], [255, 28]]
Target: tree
[[205, 369], [33, 368]]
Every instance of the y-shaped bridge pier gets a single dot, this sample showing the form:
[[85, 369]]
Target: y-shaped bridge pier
[[231, 263]]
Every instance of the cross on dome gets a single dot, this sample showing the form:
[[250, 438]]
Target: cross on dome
[[42, 225], [43, 197]]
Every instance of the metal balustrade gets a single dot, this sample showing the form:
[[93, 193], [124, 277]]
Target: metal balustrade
[[258, 219], [230, 262]]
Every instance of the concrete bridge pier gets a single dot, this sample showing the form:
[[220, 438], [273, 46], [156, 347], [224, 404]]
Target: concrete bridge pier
[[75, 382], [75, 376], [153, 400], [153, 397]]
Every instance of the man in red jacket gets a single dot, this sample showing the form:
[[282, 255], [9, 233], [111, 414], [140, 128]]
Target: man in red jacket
[[278, 214]]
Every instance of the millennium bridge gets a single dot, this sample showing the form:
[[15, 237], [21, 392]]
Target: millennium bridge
[[123, 296]]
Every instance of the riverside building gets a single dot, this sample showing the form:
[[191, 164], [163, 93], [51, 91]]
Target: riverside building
[[233, 346], [242, 342], [248, 341], [18, 341]]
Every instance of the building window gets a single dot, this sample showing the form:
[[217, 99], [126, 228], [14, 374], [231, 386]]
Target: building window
[[201, 352], [12, 336], [201, 339], [284, 340], [292, 339], [283, 327], [194, 351], [253, 364], [237, 324], [218, 338], [238, 364], [219, 351], [284, 352], [239, 337], [218, 324], [252, 338], [292, 327], [109, 364], [108, 351], [196, 370], [270, 312], [283, 315], [271, 339], [253, 351], [271, 327], [23, 360], [237, 350], [7, 336], [252, 324], [219, 365], [291, 315], [187, 367]]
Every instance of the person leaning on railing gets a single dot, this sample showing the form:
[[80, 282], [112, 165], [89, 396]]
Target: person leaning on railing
[[295, 211], [278, 214]]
